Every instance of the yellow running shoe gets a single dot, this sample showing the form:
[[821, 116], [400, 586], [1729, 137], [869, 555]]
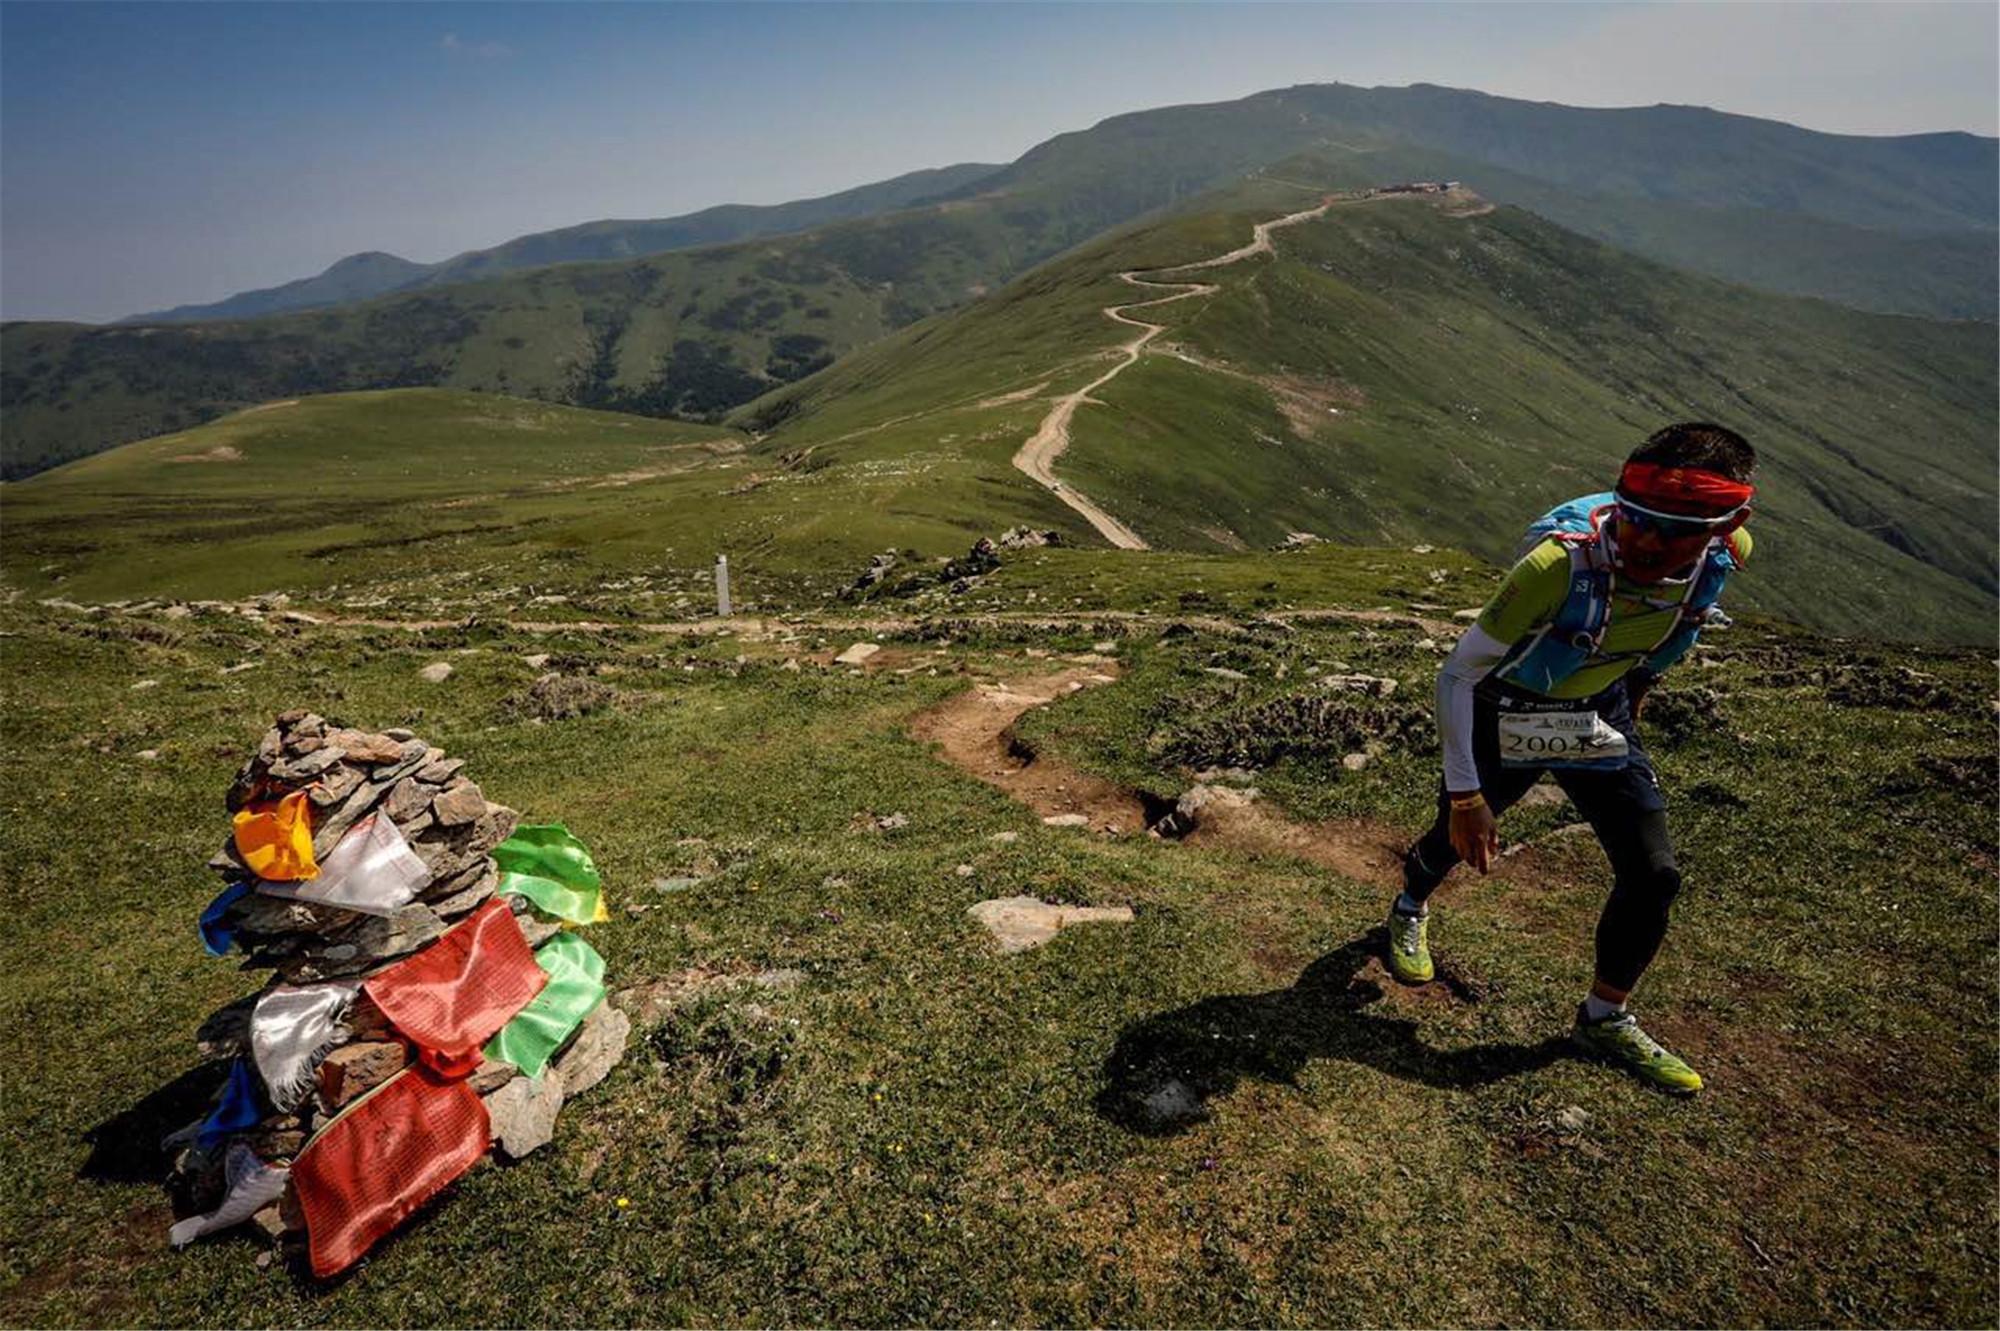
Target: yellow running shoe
[[1618, 1039], [1410, 947]]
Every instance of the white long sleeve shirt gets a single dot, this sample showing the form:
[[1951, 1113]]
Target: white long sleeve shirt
[[1475, 657]]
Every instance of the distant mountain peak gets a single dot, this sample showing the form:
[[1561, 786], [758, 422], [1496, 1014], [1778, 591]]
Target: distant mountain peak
[[370, 259]]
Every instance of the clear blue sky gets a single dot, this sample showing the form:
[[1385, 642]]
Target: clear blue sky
[[154, 154]]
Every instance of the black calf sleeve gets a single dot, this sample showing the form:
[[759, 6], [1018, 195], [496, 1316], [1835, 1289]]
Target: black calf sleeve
[[1646, 881]]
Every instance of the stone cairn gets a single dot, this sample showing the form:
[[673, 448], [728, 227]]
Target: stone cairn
[[453, 829]]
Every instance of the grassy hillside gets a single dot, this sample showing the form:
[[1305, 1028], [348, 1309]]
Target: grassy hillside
[[1910, 184], [687, 334], [416, 485], [1687, 154], [1898, 223], [1950, 274], [1901, 223], [362, 276], [1400, 373], [1394, 374], [899, 1126]]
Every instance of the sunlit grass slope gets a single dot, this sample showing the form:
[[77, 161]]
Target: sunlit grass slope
[[428, 497], [920, 1131], [345, 488], [1397, 373]]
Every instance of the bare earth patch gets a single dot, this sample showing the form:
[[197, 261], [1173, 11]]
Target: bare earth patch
[[220, 453], [1018, 395], [975, 731]]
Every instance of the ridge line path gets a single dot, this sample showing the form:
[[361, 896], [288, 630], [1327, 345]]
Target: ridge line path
[[1036, 458], [760, 627]]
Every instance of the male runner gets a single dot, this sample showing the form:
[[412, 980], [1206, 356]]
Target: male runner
[[1551, 678]]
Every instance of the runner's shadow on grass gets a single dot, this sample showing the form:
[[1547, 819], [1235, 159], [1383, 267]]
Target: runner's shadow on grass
[[1164, 1070]]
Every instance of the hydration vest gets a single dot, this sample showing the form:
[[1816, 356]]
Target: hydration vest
[[1574, 638]]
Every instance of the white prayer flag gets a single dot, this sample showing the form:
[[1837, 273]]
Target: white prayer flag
[[372, 870], [292, 1029], [251, 1185]]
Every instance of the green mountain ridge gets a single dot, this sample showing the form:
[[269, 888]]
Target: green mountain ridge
[[618, 334], [364, 276]]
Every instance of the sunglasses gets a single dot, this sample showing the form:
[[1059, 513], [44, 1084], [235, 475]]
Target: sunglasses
[[1679, 527]]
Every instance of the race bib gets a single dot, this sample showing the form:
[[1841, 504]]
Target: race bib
[[1560, 739]]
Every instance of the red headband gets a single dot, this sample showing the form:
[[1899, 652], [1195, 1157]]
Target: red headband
[[1683, 491]]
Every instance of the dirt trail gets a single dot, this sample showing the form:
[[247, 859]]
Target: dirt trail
[[1036, 458], [975, 730]]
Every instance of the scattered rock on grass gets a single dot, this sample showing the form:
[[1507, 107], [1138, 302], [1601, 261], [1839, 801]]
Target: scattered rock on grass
[[857, 653], [556, 697], [1201, 802], [1542, 795], [1020, 923], [1171, 1104], [1374, 686], [523, 1113], [1572, 1119], [436, 672]]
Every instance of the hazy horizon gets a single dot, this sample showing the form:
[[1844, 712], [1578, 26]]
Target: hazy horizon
[[157, 155]]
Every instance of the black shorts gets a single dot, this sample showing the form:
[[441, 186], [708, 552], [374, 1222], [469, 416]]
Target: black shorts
[[1633, 786]]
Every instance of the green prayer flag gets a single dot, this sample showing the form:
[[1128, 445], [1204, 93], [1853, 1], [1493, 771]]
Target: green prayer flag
[[551, 868], [575, 988]]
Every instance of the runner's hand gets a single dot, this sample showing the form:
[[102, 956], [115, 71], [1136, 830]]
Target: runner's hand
[[1475, 835]]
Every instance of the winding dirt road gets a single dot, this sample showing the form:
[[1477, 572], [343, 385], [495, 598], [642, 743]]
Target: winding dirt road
[[1036, 458]]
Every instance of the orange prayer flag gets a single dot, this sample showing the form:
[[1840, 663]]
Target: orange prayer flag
[[276, 841]]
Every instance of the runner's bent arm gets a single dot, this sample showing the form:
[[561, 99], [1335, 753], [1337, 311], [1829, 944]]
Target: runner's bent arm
[[1471, 661], [1529, 598]]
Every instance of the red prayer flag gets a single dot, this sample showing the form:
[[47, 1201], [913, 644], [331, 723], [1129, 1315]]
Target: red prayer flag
[[450, 998], [382, 1159]]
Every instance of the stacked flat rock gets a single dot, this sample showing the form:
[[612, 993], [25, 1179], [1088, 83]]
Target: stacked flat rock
[[452, 828]]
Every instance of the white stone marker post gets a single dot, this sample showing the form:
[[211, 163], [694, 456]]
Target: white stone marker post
[[722, 586]]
